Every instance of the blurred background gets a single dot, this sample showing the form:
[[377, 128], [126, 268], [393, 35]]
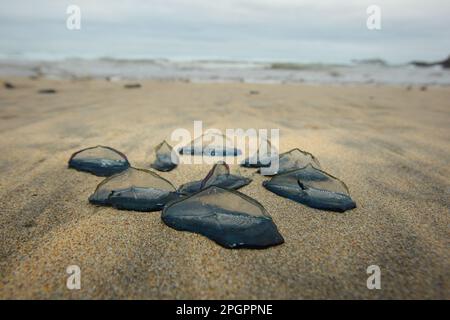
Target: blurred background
[[232, 40]]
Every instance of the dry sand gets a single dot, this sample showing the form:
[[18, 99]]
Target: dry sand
[[390, 145]]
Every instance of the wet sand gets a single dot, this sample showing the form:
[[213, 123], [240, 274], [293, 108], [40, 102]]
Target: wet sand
[[390, 145]]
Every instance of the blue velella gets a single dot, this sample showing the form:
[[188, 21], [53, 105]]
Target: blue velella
[[227, 217], [134, 189], [291, 160], [211, 144], [100, 160], [262, 158], [312, 187], [219, 176], [166, 158]]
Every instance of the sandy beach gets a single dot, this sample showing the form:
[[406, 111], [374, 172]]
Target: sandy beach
[[389, 144]]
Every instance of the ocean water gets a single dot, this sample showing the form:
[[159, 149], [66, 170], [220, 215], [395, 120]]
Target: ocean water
[[225, 71], [238, 41]]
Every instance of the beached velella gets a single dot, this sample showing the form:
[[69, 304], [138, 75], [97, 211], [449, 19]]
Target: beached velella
[[291, 160], [132, 86], [134, 189], [312, 187], [164, 154], [219, 176], [228, 217], [47, 91], [263, 156], [211, 144], [101, 161]]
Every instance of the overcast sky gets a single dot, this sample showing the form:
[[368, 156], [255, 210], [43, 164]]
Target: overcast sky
[[295, 30]]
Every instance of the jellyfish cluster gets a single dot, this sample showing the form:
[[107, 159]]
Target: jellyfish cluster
[[212, 206]]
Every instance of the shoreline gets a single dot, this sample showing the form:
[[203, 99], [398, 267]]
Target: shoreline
[[204, 71]]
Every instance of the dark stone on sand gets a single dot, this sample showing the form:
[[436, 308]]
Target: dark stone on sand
[[100, 160], [47, 91], [132, 86], [228, 217], [166, 158], [9, 85], [134, 189], [218, 176], [312, 187]]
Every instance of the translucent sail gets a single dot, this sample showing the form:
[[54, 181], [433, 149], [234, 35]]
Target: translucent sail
[[165, 158], [100, 160], [134, 189], [263, 156], [312, 187], [291, 160], [211, 144], [219, 176]]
